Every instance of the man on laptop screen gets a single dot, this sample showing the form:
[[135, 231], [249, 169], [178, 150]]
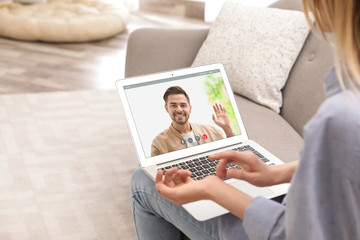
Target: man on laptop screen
[[195, 104], [182, 133]]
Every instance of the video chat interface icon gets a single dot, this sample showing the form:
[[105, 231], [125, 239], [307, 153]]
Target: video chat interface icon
[[190, 140]]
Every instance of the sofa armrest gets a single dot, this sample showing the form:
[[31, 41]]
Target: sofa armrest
[[153, 50]]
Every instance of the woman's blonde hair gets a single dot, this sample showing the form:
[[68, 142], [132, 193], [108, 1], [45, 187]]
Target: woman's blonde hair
[[342, 17]]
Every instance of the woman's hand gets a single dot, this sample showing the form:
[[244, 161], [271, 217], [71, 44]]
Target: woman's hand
[[253, 170], [178, 186]]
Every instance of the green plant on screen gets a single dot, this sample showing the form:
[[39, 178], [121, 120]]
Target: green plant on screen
[[216, 92]]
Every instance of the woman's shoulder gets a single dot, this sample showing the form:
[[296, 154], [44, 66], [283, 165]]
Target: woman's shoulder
[[338, 118], [341, 109], [333, 134]]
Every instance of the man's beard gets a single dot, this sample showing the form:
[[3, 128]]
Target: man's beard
[[181, 122]]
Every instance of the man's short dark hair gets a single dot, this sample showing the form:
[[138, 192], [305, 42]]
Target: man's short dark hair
[[175, 90]]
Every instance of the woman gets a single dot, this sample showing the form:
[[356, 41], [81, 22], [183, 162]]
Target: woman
[[323, 200]]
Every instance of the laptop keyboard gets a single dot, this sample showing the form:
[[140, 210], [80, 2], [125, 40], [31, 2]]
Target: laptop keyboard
[[202, 166]]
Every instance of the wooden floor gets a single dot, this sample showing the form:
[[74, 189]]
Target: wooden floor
[[45, 67]]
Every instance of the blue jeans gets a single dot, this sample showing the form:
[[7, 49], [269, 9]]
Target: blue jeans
[[158, 218]]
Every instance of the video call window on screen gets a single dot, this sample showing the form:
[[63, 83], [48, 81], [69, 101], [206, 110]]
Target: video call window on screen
[[197, 100]]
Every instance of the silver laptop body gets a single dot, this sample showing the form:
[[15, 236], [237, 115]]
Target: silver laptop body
[[143, 104]]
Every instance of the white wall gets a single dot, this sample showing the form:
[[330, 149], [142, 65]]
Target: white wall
[[212, 7]]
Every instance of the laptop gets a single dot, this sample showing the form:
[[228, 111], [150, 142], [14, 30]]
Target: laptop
[[144, 107]]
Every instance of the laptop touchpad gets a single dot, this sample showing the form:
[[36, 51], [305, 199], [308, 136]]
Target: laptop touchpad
[[252, 190]]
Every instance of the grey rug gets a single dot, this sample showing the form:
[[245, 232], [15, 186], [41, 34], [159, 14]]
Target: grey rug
[[65, 164]]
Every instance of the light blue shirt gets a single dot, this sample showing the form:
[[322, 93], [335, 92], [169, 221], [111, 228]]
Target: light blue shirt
[[323, 201]]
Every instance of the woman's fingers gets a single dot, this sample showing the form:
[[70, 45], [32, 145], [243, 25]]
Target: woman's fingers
[[159, 176], [181, 176], [254, 170], [239, 174], [169, 175], [233, 157], [173, 177], [221, 169]]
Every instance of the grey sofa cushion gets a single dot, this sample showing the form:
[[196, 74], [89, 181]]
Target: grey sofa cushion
[[152, 50], [269, 130], [303, 92]]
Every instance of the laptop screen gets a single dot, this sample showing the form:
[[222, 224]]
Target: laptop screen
[[181, 112]]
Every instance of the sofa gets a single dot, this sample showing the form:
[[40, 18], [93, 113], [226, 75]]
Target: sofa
[[154, 50]]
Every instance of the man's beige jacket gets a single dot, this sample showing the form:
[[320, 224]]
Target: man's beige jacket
[[170, 139]]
